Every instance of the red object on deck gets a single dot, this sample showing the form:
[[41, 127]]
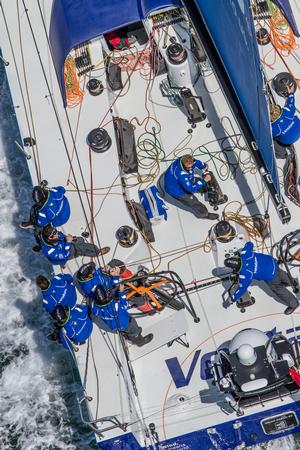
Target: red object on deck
[[115, 40], [295, 375], [146, 307], [126, 274]]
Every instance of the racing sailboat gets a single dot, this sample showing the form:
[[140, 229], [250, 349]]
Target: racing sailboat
[[109, 94]]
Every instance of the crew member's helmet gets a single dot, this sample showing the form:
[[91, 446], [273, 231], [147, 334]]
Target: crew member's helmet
[[234, 263], [60, 314], [86, 270], [117, 263], [39, 194], [101, 296]]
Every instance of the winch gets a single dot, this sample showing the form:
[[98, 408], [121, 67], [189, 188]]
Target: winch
[[226, 238]]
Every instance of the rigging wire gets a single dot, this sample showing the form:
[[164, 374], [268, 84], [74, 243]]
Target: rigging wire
[[281, 33], [110, 346], [283, 41], [35, 146], [113, 352], [127, 81], [91, 187], [75, 136], [62, 134], [35, 156], [97, 379], [151, 154], [105, 196], [57, 117]]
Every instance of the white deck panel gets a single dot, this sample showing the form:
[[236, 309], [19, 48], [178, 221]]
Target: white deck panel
[[164, 332]]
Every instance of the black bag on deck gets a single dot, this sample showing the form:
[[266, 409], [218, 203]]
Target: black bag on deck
[[126, 145], [141, 220], [113, 75]]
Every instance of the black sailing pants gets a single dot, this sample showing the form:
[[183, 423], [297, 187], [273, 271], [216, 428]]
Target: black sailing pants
[[197, 208], [279, 286]]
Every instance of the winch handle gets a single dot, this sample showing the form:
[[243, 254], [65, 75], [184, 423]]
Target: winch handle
[[234, 279]]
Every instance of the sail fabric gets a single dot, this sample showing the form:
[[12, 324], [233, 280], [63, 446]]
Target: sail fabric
[[77, 21], [231, 27]]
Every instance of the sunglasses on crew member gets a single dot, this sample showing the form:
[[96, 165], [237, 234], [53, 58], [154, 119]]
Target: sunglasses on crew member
[[53, 234]]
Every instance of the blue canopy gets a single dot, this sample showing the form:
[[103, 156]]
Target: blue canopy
[[77, 21], [230, 25]]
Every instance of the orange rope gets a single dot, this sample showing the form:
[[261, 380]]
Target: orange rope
[[74, 93], [283, 41], [142, 290], [281, 34]]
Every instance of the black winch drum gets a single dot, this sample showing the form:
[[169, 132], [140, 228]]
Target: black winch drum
[[224, 231], [262, 36], [95, 87], [281, 82], [126, 236], [99, 140], [176, 53]]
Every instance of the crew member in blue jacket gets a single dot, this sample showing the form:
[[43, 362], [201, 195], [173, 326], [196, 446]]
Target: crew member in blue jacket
[[285, 124], [182, 179], [73, 326], [89, 277], [59, 290], [112, 310], [51, 207], [60, 248], [250, 265]]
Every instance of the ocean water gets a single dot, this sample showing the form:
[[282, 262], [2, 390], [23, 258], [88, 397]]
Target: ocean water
[[286, 443], [38, 382]]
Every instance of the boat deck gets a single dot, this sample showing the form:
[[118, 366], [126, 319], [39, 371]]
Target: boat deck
[[174, 392]]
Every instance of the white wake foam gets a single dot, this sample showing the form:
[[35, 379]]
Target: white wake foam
[[286, 443]]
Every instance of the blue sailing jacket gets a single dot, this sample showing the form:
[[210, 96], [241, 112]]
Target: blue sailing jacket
[[179, 182], [78, 328], [56, 210], [153, 203], [88, 286], [254, 266], [115, 314], [60, 292], [286, 129], [58, 252]]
